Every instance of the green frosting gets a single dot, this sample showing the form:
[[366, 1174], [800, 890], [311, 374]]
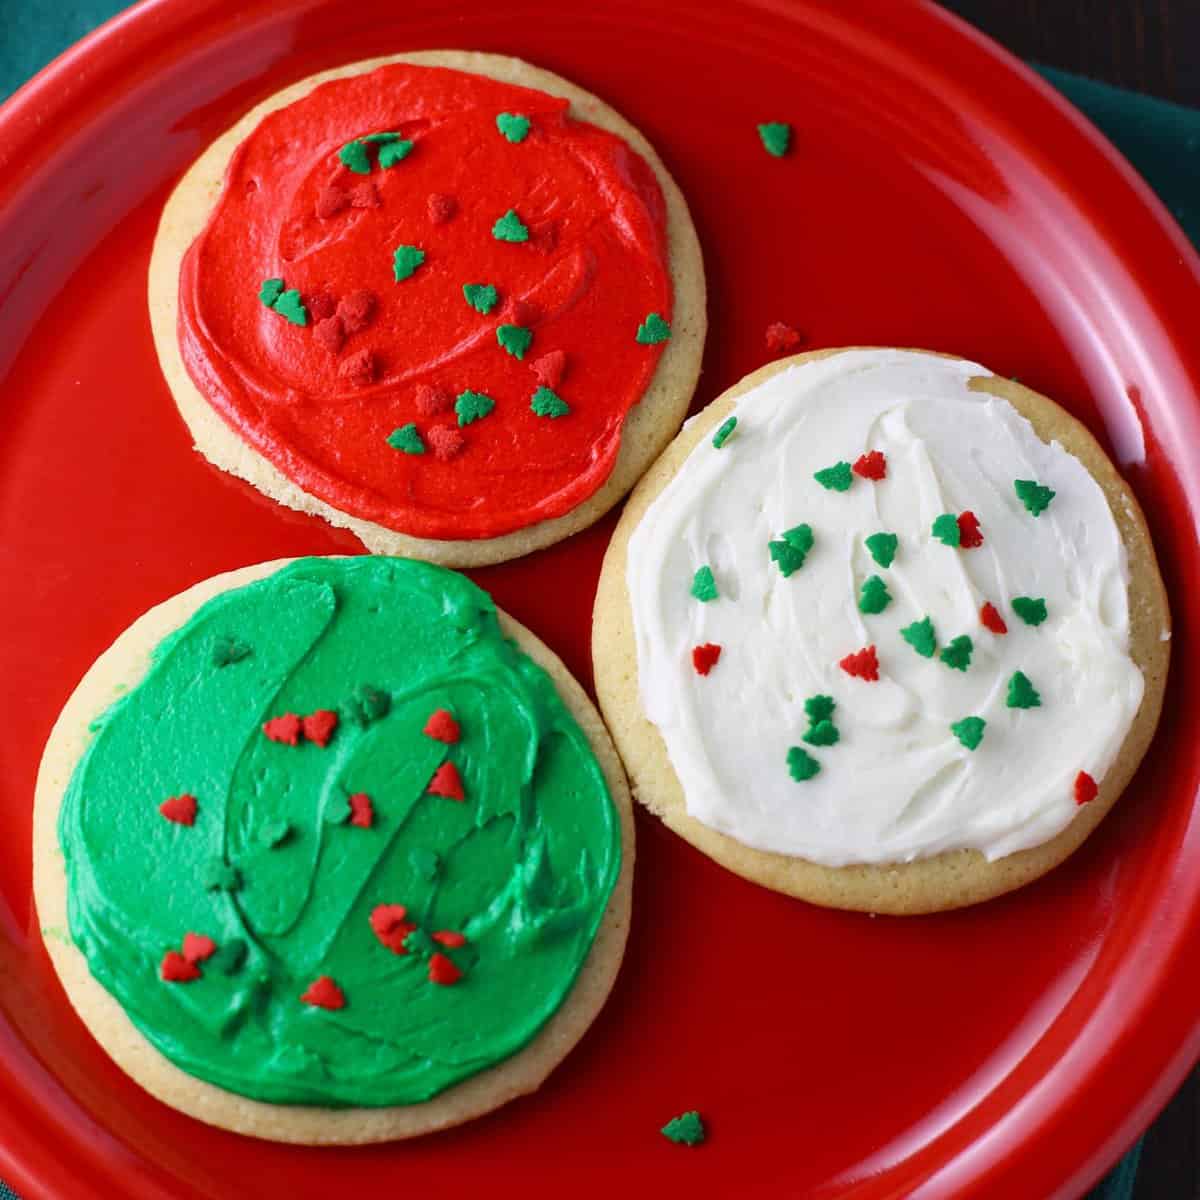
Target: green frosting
[[523, 866]]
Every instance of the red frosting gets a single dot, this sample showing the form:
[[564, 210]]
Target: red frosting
[[320, 406]]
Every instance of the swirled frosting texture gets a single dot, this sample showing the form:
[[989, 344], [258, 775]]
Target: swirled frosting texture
[[593, 267], [898, 785], [523, 867]]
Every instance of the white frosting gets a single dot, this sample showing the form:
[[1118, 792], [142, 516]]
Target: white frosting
[[898, 785]]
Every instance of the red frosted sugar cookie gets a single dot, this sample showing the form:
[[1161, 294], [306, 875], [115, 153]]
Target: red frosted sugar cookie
[[413, 315]]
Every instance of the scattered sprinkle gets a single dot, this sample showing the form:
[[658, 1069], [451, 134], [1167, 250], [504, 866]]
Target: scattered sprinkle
[[319, 726], [789, 553], [362, 811], [548, 404], [687, 1129], [957, 655], [874, 596], [321, 305], [921, 637], [354, 157], [285, 729], [390, 925], [521, 312], [945, 530], [801, 764], [442, 727], [514, 338], [441, 208], [197, 947], [174, 968], [424, 862], [990, 618], [364, 195], [419, 943], [722, 434], [882, 547], [836, 478], [549, 369], [510, 229], [324, 993], [431, 401], [704, 586], [1031, 611], [1022, 693], [776, 137], [291, 307], [514, 126], [369, 704], [872, 465], [270, 291], [330, 334], [970, 536], [482, 297], [705, 657], [330, 202], [219, 876], [819, 708], [179, 809], [472, 406], [449, 937], [442, 970], [822, 733], [405, 260], [1034, 496], [1086, 789], [355, 309], [969, 731], [782, 339], [446, 782], [394, 152], [862, 664], [407, 439], [358, 368], [652, 330], [446, 442]]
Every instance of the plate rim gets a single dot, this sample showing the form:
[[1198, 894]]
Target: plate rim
[[1166, 266]]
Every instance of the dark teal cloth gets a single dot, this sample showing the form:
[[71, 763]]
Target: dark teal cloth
[[1162, 140]]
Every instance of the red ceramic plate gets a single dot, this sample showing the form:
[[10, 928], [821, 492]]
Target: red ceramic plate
[[938, 195]]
